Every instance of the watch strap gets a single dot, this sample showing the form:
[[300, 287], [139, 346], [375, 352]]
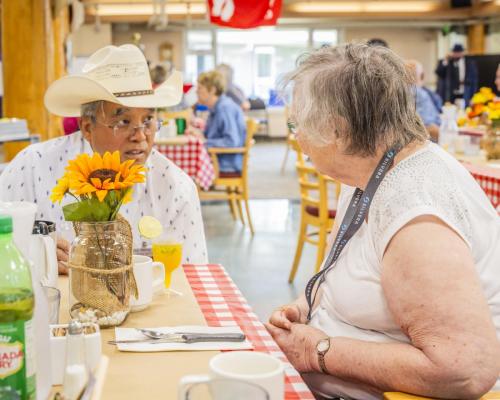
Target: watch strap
[[321, 358]]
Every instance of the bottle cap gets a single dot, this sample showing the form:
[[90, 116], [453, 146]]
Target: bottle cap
[[75, 327], [5, 224]]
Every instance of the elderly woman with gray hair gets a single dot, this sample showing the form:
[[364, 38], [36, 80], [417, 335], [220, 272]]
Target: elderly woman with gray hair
[[409, 296]]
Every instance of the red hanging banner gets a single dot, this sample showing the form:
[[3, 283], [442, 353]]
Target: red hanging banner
[[244, 14]]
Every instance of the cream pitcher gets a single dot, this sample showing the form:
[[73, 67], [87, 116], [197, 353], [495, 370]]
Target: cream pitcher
[[43, 253]]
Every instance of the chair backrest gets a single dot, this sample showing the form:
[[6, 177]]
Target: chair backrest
[[313, 185], [252, 126]]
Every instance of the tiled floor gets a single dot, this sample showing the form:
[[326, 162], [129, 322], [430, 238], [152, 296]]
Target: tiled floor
[[260, 265]]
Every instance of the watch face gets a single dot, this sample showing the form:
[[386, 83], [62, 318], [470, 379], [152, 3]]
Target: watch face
[[323, 345]]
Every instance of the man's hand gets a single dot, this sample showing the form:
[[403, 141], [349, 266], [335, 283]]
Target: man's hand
[[299, 345], [62, 255]]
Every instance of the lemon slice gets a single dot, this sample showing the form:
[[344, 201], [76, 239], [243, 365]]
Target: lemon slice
[[150, 227]]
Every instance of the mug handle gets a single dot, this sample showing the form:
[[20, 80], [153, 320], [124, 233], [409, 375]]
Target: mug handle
[[158, 282], [51, 272], [187, 381]]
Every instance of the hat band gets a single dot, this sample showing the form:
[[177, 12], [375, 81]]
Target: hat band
[[134, 93]]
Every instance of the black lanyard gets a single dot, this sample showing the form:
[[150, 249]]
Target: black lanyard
[[353, 219]]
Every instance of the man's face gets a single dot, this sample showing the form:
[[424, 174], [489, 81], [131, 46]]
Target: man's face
[[457, 55], [132, 143]]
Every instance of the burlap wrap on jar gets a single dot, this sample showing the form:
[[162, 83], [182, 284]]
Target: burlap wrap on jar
[[101, 268]]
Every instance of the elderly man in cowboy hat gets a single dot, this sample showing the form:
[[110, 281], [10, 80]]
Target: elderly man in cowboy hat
[[116, 103]]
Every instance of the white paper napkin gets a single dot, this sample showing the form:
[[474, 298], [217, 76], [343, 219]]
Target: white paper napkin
[[131, 333]]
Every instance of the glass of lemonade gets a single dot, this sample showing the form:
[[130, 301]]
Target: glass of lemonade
[[170, 254]]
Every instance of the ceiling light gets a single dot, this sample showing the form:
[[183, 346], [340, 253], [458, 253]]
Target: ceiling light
[[110, 10], [318, 7], [363, 6]]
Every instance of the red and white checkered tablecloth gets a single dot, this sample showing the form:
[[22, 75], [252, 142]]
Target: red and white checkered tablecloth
[[489, 179], [223, 304], [193, 158]]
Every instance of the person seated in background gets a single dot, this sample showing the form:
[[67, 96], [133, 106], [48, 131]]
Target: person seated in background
[[377, 42], [232, 91], [158, 75], [428, 108], [117, 113], [225, 126]]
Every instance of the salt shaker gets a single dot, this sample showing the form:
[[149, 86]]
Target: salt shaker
[[75, 371]]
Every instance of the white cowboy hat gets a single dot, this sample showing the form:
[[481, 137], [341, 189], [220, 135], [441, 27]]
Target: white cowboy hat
[[116, 74]]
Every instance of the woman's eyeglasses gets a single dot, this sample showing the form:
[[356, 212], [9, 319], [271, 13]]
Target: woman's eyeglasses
[[292, 126]]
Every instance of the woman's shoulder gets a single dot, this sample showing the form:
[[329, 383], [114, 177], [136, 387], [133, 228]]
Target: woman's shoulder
[[428, 182]]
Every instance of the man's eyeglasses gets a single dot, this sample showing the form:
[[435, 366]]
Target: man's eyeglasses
[[124, 129]]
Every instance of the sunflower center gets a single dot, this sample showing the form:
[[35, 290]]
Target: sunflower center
[[103, 174]]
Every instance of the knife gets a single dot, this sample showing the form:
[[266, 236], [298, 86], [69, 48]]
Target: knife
[[188, 338]]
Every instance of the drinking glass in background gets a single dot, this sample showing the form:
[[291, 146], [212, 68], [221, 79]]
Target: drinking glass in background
[[170, 254], [53, 296]]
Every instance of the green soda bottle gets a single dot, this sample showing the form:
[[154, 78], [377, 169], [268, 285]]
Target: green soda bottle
[[17, 356]]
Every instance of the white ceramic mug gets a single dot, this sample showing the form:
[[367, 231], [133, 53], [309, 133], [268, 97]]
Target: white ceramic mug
[[147, 285], [254, 367]]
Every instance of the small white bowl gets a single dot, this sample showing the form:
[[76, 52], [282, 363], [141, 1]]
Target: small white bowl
[[58, 351]]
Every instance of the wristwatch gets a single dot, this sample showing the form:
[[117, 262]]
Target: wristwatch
[[322, 348]]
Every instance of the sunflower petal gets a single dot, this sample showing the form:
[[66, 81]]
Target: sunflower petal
[[101, 194], [96, 182], [107, 160], [115, 161], [96, 162]]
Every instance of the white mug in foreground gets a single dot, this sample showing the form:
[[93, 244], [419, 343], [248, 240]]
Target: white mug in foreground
[[261, 369], [147, 285]]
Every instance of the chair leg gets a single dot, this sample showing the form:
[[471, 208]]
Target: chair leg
[[240, 211], [298, 250], [247, 209], [321, 248], [283, 164], [230, 201]]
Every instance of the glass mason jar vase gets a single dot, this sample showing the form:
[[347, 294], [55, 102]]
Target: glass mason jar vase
[[100, 272], [491, 140]]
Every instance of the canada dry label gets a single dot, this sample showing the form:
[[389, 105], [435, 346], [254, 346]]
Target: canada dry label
[[17, 358]]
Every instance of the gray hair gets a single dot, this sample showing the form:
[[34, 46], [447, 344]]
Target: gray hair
[[361, 94], [89, 110]]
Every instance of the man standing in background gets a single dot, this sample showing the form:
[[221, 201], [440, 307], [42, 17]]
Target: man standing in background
[[457, 76]]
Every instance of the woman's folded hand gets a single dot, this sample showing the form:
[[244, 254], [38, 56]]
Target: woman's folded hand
[[285, 316]]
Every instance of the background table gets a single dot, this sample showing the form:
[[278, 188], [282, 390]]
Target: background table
[[189, 154], [488, 178]]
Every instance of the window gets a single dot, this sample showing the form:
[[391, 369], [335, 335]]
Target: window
[[200, 54], [323, 37], [259, 57]]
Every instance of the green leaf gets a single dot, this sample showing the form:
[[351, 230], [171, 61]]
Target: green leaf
[[87, 211]]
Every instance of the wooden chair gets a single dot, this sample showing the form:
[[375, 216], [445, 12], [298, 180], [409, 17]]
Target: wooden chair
[[405, 396], [314, 211], [233, 186]]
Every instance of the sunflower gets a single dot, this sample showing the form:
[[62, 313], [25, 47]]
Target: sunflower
[[99, 175], [60, 189]]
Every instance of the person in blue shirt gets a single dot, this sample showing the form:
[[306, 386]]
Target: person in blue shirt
[[428, 106], [225, 126]]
